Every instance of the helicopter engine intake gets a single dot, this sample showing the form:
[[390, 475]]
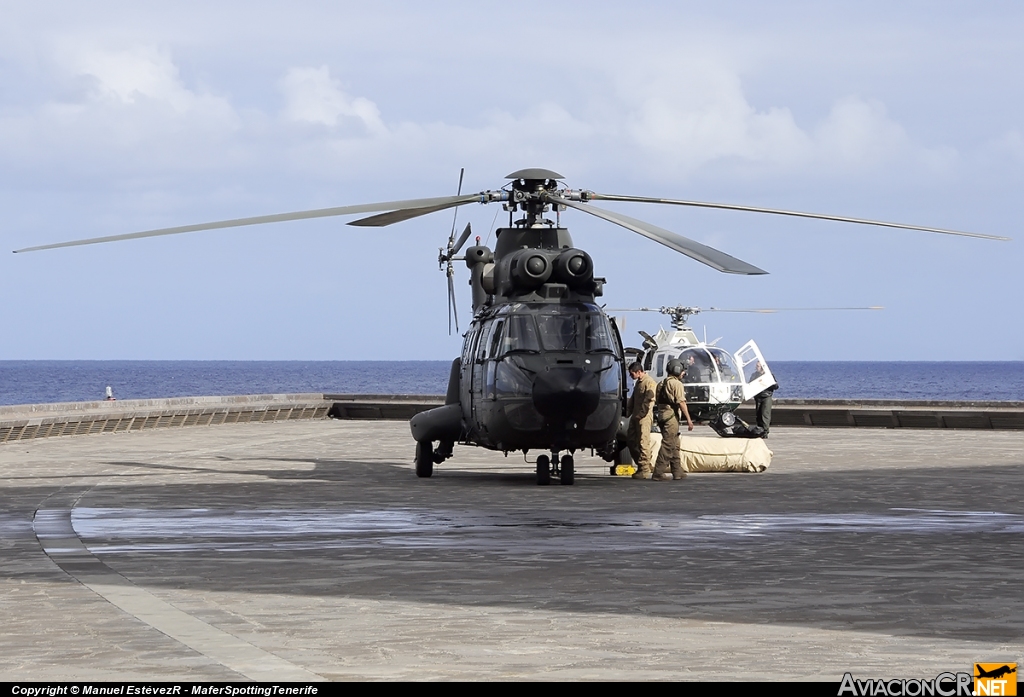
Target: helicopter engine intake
[[574, 268], [530, 268]]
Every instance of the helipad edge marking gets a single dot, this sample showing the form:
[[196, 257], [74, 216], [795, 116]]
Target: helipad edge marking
[[58, 539]]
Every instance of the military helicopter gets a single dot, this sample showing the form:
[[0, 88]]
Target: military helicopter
[[542, 366], [716, 382]]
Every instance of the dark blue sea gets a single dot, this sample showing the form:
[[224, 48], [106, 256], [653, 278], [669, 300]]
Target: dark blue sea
[[31, 382]]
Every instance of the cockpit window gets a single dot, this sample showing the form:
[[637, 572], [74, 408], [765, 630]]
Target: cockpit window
[[697, 366], [520, 335], [599, 334], [496, 339], [726, 366], [560, 332], [590, 332]]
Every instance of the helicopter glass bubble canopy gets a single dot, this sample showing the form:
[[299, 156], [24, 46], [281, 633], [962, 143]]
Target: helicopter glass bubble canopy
[[710, 375]]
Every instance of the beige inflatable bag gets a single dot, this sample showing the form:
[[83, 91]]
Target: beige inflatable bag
[[699, 454]]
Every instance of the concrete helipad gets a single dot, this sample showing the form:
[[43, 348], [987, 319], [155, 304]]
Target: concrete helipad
[[308, 550]]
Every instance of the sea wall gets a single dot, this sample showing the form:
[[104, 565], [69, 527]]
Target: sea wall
[[27, 421], [30, 421]]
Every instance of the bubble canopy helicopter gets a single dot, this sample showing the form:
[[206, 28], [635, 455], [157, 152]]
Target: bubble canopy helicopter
[[542, 366], [715, 381]]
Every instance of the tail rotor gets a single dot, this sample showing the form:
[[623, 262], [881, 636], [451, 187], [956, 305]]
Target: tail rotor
[[445, 257]]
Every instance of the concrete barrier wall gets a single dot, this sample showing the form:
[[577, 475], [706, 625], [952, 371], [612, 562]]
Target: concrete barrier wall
[[29, 421], [841, 413]]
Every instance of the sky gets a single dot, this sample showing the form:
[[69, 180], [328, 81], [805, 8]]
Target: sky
[[124, 116]]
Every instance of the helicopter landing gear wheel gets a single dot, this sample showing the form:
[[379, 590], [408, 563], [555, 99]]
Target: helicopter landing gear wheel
[[424, 458], [568, 470], [543, 469]]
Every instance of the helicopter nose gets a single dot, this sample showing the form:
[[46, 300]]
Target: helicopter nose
[[570, 394]]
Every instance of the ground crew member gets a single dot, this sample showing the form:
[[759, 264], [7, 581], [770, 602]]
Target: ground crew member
[[670, 399], [763, 408], [640, 408]]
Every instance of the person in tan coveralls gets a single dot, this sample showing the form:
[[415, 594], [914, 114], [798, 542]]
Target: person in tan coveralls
[[640, 407], [669, 398]]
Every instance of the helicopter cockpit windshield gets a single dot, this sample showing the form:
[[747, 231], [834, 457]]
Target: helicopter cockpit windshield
[[725, 366], [544, 329], [520, 335], [710, 375]]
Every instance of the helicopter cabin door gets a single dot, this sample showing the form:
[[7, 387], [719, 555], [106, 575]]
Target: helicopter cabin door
[[757, 377]]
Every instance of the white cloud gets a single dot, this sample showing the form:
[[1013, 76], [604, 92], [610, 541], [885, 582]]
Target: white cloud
[[313, 96], [696, 112], [130, 76], [674, 113], [121, 110], [859, 132]]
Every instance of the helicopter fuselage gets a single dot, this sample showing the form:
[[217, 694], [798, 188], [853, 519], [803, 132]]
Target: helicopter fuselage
[[542, 366], [541, 376]]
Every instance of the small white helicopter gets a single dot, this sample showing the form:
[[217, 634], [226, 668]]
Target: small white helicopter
[[716, 381]]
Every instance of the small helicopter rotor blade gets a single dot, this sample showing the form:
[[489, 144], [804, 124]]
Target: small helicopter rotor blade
[[397, 216], [797, 214], [771, 310], [632, 309], [452, 308], [462, 240], [695, 250], [426, 205]]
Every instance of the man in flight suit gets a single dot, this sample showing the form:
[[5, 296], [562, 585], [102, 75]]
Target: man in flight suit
[[669, 400], [641, 415]]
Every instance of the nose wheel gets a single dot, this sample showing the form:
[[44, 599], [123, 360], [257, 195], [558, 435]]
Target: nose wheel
[[564, 468], [567, 471], [543, 470]]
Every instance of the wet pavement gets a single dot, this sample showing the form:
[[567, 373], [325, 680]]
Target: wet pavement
[[309, 550]]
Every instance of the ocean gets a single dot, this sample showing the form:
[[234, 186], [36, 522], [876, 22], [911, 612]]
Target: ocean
[[31, 382]]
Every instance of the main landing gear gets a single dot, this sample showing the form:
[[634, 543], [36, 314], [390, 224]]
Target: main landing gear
[[427, 456], [564, 468], [424, 458]]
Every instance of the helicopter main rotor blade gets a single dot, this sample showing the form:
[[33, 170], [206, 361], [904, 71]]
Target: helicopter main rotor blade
[[397, 216], [695, 250], [797, 214], [455, 217], [438, 203]]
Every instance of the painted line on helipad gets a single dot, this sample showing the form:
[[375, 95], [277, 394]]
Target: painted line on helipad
[[56, 535]]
